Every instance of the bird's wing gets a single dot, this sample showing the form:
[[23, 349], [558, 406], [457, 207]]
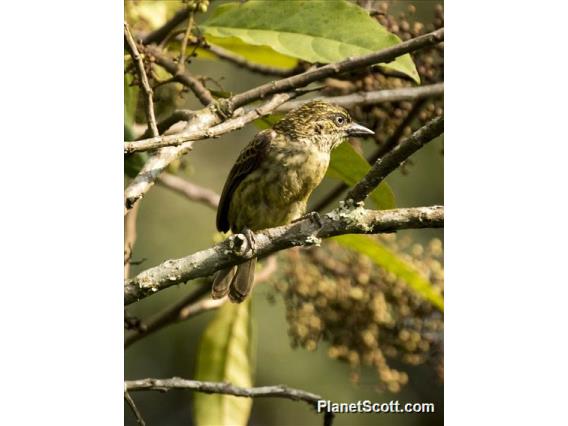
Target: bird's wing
[[248, 161]]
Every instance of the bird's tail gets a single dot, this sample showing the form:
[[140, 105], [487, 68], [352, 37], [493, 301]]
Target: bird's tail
[[236, 281], [222, 281]]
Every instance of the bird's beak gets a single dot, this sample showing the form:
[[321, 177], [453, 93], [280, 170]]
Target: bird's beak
[[355, 129]]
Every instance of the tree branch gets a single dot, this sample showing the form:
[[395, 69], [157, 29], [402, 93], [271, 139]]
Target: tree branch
[[169, 315], [213, 132], [131, 44], [175, 117], [199, 126], [182, 76], [347, 219], [217, 111], [278, 391], [374, 97], [157, 163], [192, 305], [347, 101], [384, 166], [189, 190]]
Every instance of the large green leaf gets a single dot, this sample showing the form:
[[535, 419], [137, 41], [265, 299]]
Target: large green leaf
[[350, 167], [315, 31], [224, 355], [392, 262], [263, 55]]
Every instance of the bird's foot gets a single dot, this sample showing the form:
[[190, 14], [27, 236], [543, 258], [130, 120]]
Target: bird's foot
[[249, 235], [241, 243]]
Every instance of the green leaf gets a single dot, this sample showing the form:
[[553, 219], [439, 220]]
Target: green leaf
[[263, 55], [392, 262], [315, 31], [267, 121], [224, 355], [347, 165]]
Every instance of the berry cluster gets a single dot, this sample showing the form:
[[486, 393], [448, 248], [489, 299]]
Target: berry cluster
[[200, 5], [366, 314]]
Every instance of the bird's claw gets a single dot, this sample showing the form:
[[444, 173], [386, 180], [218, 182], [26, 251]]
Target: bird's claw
[[249, 235], [241, 243]]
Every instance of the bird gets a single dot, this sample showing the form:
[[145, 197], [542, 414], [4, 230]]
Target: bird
[[273, 177]]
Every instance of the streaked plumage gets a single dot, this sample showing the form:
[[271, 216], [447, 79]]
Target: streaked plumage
[[273, 177]]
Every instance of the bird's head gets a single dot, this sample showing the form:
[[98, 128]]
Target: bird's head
[[322, 123]]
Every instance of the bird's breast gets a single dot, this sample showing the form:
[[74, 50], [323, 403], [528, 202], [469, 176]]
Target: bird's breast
[[296, 172], [277, 191]]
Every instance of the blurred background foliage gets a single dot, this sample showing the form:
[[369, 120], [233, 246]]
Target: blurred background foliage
[[376, 335]]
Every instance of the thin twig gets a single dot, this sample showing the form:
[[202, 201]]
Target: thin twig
[[374, 97], [132, 405], [169, 315], [278, 391], [175, 117], [171, 36], [182, 76], [384, 166], [192, 306], [220, 110], [201, 306], [213, 132], [181, 61], [189, 190], [347, 219], [131, 44], [242, 62]]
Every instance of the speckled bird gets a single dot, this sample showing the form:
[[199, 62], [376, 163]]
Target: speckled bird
[[273, 177]]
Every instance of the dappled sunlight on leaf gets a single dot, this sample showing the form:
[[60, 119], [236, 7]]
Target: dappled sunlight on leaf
[[350, 167], [307, 30], [224, 355]]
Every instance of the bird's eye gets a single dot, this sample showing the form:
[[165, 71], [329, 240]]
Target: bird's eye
[[340, 120]]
